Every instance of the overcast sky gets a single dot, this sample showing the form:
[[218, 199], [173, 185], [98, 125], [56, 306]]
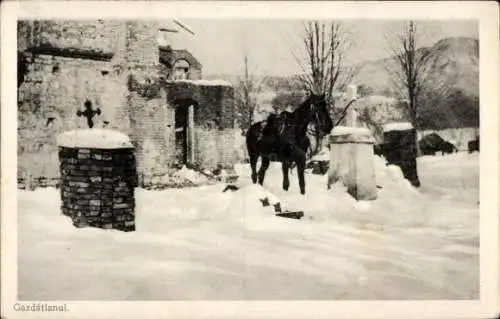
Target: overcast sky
[[220, 44]]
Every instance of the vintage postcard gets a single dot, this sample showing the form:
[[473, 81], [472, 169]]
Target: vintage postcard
[[250, 159]]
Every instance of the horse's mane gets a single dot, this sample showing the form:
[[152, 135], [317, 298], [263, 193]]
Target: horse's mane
[[298, 113], [298, 116], [300, 110], [291, 125]]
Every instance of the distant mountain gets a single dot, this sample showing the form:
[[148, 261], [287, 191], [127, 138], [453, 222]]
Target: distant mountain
[[454, 63]]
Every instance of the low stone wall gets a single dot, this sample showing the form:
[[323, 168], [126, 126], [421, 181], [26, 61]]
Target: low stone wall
[[97, 185]]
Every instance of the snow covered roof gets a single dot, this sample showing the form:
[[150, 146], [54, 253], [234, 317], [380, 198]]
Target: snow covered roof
[[94, 138], [402, 126], [206, 82]]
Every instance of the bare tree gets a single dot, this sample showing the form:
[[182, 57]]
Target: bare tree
[[322, 60], [246, 95], [410, 69], [432, 103]]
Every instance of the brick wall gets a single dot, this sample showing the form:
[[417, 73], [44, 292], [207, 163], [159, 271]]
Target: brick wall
[[215, 102], [153, 126], [97, 35], [147, 132], [195, 74], [65, 92], [126, 48], [214, 121], [215, 148], [44, 95], [142, 46]]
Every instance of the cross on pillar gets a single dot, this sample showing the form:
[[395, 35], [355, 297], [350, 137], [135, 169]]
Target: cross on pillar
[[89, 113], [351, 95]]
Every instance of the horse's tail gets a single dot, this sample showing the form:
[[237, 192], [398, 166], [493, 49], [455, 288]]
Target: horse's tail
[[252, 136]]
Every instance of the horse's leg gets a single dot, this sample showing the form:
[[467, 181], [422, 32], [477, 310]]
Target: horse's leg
[[254, 156], [284, 168], [301, 166], [263, 167]]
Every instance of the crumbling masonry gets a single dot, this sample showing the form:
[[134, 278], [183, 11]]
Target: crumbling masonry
[[171, 115]]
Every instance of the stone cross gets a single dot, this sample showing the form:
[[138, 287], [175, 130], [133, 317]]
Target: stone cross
[[351, 95], [89, 113]]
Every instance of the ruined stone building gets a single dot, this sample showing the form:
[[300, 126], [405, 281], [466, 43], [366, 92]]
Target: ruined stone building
[[143, 84]]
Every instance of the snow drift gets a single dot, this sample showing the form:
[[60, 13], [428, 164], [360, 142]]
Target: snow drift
[[202, 243]]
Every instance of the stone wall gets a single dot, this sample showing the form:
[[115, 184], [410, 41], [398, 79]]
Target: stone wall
[[48, 102], [61, 85], [94, 35], [106, 64], [152, 124], [195, 74], [214, 118], [215, 148], [148, 120], [215, 101], [147, 132], [142, 46]]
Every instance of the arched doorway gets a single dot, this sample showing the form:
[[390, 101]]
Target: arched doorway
[[184, 130], [181, 70]]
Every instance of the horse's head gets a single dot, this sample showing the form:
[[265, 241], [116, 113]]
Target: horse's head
[[319, 114]]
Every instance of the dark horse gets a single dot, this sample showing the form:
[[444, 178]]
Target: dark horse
[[284, 138]]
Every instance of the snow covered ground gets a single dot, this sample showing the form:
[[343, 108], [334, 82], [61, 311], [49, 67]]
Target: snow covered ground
[[200, 243]]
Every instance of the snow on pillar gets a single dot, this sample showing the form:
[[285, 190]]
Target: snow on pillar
[[400, 149], [351, 161], [98, 177]]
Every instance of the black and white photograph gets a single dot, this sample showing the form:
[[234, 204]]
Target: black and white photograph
[[184, 157]]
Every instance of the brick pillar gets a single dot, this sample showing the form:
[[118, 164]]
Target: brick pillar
[[98, 177], [400, 149], [351, 161]]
